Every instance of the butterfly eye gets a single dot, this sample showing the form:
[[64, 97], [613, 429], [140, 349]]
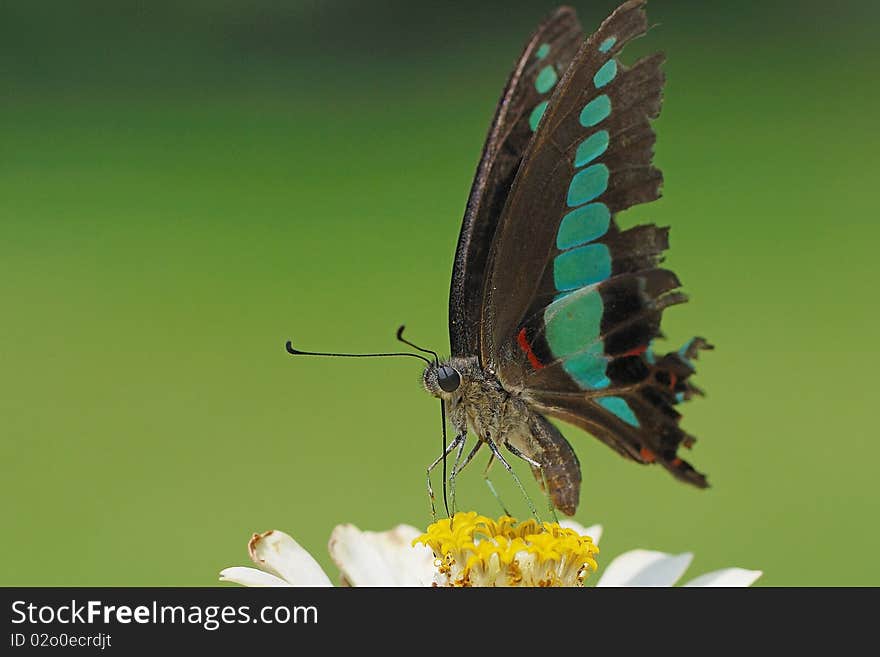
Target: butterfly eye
[[448, 379]]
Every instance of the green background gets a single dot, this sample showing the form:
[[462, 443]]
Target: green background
[[185, 185]]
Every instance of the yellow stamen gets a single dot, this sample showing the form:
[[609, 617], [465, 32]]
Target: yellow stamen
[[473, 550]]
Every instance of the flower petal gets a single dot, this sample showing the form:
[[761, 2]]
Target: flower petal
[[593, 531], [727, 577], [645, 568], [381, 558], [250, 577], [278, 553]]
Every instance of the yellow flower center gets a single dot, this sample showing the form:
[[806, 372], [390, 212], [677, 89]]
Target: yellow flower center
[[473, 550]]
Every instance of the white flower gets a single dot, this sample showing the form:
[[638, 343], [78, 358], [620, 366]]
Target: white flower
[[364, 559], [513, 555]]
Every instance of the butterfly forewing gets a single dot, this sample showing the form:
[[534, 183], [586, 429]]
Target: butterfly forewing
[[544, 60]]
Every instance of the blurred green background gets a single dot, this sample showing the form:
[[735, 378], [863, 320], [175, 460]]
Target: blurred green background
[[185, 185]]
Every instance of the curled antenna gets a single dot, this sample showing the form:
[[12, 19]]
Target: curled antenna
[[299, 352], [415, 346]]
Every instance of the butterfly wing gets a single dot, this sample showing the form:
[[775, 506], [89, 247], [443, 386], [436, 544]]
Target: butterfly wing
[[544, 59], [571, 302]]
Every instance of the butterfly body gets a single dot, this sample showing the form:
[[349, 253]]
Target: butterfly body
[[502, 418], [554, 309]]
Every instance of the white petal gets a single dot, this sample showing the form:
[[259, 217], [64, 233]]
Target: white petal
[[645, 568], [250, 577], [415, 563], [593, 531], [279, 554], [727, 577], [381, 558]]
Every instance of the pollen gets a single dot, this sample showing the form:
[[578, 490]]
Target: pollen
[[473, 550]]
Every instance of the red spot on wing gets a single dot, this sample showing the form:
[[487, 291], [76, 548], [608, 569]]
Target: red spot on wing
[[672, 380], [647, 455], [676, 462], [523, 343], [635, 351]]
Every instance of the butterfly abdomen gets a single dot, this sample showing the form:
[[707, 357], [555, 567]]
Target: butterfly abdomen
[[560, 466]]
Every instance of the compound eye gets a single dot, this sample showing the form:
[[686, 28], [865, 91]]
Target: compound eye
[[448, 379]]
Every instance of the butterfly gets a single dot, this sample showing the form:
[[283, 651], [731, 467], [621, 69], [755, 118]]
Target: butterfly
[[553, 309]]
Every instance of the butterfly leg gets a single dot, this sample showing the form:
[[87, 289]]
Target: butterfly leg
[[540, 468], [498, 455], [491, 485], [455, 468], [468, 459], [458, 439]]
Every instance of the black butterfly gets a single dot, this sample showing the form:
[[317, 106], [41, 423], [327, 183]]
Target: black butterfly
[[553, 308]]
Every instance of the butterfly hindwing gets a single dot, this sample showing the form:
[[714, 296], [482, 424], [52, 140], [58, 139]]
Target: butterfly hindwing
[[544, 60], [641, 422], [572, 303]]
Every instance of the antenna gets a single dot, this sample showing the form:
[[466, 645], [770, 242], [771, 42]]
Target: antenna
[[299, 352], [415, 346]]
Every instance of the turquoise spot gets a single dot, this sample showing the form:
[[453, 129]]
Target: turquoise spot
[[607, 44], [545, 80], [582, 266], [543, 51], [682, 353], [649, 355], [605, 74], [679, 397], [583, 225], [587, 184], [620, 408], [588, 368], [591, 148], [537, 113], [596, 111], [573, 322]]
